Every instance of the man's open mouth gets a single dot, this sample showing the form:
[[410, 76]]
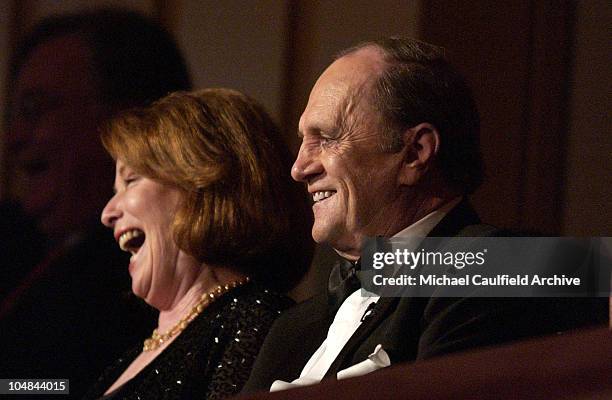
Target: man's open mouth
[[322, 195]]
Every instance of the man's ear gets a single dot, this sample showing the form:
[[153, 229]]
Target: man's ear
[[421, 144]]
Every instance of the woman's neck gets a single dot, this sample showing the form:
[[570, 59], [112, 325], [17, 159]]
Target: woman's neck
[[206, 281]]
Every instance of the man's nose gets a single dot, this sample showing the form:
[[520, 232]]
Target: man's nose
[[307, 165]]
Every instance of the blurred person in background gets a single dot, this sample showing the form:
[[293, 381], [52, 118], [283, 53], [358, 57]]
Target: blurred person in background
[[66, 311]]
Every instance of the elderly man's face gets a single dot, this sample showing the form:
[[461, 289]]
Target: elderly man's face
[[58, 162], [353, 182]]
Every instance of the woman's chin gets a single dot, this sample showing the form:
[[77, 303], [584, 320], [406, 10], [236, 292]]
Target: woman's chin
[[139, 289], [131, 268]]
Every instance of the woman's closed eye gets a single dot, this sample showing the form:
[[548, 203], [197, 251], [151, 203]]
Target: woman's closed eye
[[130, 180]]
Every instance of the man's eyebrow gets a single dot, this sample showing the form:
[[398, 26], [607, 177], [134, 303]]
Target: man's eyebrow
[[310, 131], [317, 131]]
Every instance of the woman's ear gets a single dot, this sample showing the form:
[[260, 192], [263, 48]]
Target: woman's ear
[[421, 144]]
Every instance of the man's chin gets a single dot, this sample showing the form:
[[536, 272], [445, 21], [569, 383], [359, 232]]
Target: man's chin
[[321, 234], [348, 248]]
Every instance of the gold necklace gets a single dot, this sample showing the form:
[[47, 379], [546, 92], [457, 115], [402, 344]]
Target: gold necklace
[[158, 339]]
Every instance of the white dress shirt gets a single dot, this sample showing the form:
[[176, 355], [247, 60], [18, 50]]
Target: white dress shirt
[[349, 316]]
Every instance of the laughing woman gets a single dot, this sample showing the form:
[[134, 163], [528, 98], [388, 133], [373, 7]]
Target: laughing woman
[[204, 203]]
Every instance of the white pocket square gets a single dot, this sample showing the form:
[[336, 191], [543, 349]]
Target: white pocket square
[[377, 360]]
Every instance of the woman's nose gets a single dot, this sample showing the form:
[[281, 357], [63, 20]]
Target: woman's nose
[[111, 213]]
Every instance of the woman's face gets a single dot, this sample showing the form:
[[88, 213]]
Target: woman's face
[[141, 214]]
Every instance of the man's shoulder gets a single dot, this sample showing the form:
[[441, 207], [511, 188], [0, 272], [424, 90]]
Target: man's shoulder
[[454, 324], [462, 220], [481, 230]]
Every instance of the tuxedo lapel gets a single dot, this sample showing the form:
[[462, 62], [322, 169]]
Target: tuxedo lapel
[[384, 307], [453, 224]]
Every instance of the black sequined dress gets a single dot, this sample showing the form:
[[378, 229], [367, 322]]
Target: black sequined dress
[[210, 359]]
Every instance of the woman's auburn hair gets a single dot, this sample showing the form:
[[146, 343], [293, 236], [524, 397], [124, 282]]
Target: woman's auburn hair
[[224, 153]]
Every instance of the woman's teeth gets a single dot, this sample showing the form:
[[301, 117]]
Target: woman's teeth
[[131, 240], [318, 196]]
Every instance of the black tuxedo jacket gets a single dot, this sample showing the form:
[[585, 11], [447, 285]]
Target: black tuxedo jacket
[[416, 327]]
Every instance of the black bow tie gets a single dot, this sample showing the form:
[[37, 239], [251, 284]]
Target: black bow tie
[[343, 281]]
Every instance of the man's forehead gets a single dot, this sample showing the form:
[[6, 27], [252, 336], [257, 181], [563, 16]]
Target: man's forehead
[[343, 84], [360, 65], [327, 93]]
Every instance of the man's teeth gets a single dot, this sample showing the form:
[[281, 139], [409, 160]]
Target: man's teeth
[[126, 237], [318, 196]]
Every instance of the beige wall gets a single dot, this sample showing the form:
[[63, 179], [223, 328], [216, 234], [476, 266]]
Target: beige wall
[[588, 188], [239, 45]]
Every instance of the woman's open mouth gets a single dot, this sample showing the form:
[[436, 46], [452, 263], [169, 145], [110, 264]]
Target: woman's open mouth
[[132, 240]]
